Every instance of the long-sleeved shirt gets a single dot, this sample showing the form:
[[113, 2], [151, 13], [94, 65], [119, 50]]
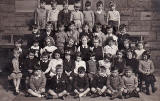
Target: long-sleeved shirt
[[53, 15], [37, 84], [146, 66], [89, 17], [64, 17], [99, 81]]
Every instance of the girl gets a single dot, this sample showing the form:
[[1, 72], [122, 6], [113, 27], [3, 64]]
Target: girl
[[113, 17], [16, 74], [106, 62], [41, 15], [109, 30], [110, 48], [146, 69], [89, 15], [84, 49], [36, 48], [54, 62]]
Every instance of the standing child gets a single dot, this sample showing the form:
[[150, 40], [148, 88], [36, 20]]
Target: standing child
[[37, 83], [59, 84], [36, 48], [84, 49], [16, 74], [119, 62], [61, 38], [146, 69], [106, 62], [114, 84], [113, 17], [139, 51], [99, 34], [77, 16], [111, 47], [99, 83], [73, 33], [53, 14], [54, 62], [79, 63], [89, 15], [97, 49], [130, 82], [41, 15], [100, 15], [64, 15], [81, 83]]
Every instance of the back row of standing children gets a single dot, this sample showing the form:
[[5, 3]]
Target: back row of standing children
[[66, 54]]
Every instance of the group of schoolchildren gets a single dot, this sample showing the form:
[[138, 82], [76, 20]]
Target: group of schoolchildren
[[80, 54]]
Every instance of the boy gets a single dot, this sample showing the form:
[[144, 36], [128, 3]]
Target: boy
[[64, 15], [109, 29], [114, 84], [58, 84], [81, 83], [41, 15], [99, 83], [130, 82], [37, 83], [53, 14], [89, 15]]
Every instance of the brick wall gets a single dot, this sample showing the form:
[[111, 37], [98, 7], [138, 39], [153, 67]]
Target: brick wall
[[141, 16]]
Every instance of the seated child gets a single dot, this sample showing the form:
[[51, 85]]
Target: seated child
[[146, 69], [16, 74], [130, 82], [106, 62], [98, 85], [111, 47], [37, 82], [114, 84], [36, 48], [58, 85], [81, 83], [53, 63], [79, 63]]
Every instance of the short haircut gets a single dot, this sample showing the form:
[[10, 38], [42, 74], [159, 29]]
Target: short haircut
[[147, 53], [81, 69], [108, 56], [88, 3], [99, 3], [109, 26], [78, 54], [36, 67], [122, 26]]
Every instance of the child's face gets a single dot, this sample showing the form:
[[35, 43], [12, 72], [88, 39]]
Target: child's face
[[79, 58], [35, 30], [113, 7], [54, 6], [76, 8], [81, 74], [129, 55], [48, 28], [65, 7], [92, 58], [126, 45], [57, 56], [101, 72], [119, 55], [42, 5], [109, 31], [128, 73], [36, 44], [123, 31], [111, 43], [98, 29], [68, 57], [37, 72], [140, 46], [48, 42], [100, 7], [145, 57], [86, 28], [45, 58], [96, 43], [59, 71], [88, 7], [31, 56], [114, 73], [61, 28], [18, 45], [71, 42], [72, 27], [84, 41]]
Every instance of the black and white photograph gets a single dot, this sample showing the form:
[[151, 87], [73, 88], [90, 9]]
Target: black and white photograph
[[79, 50]]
